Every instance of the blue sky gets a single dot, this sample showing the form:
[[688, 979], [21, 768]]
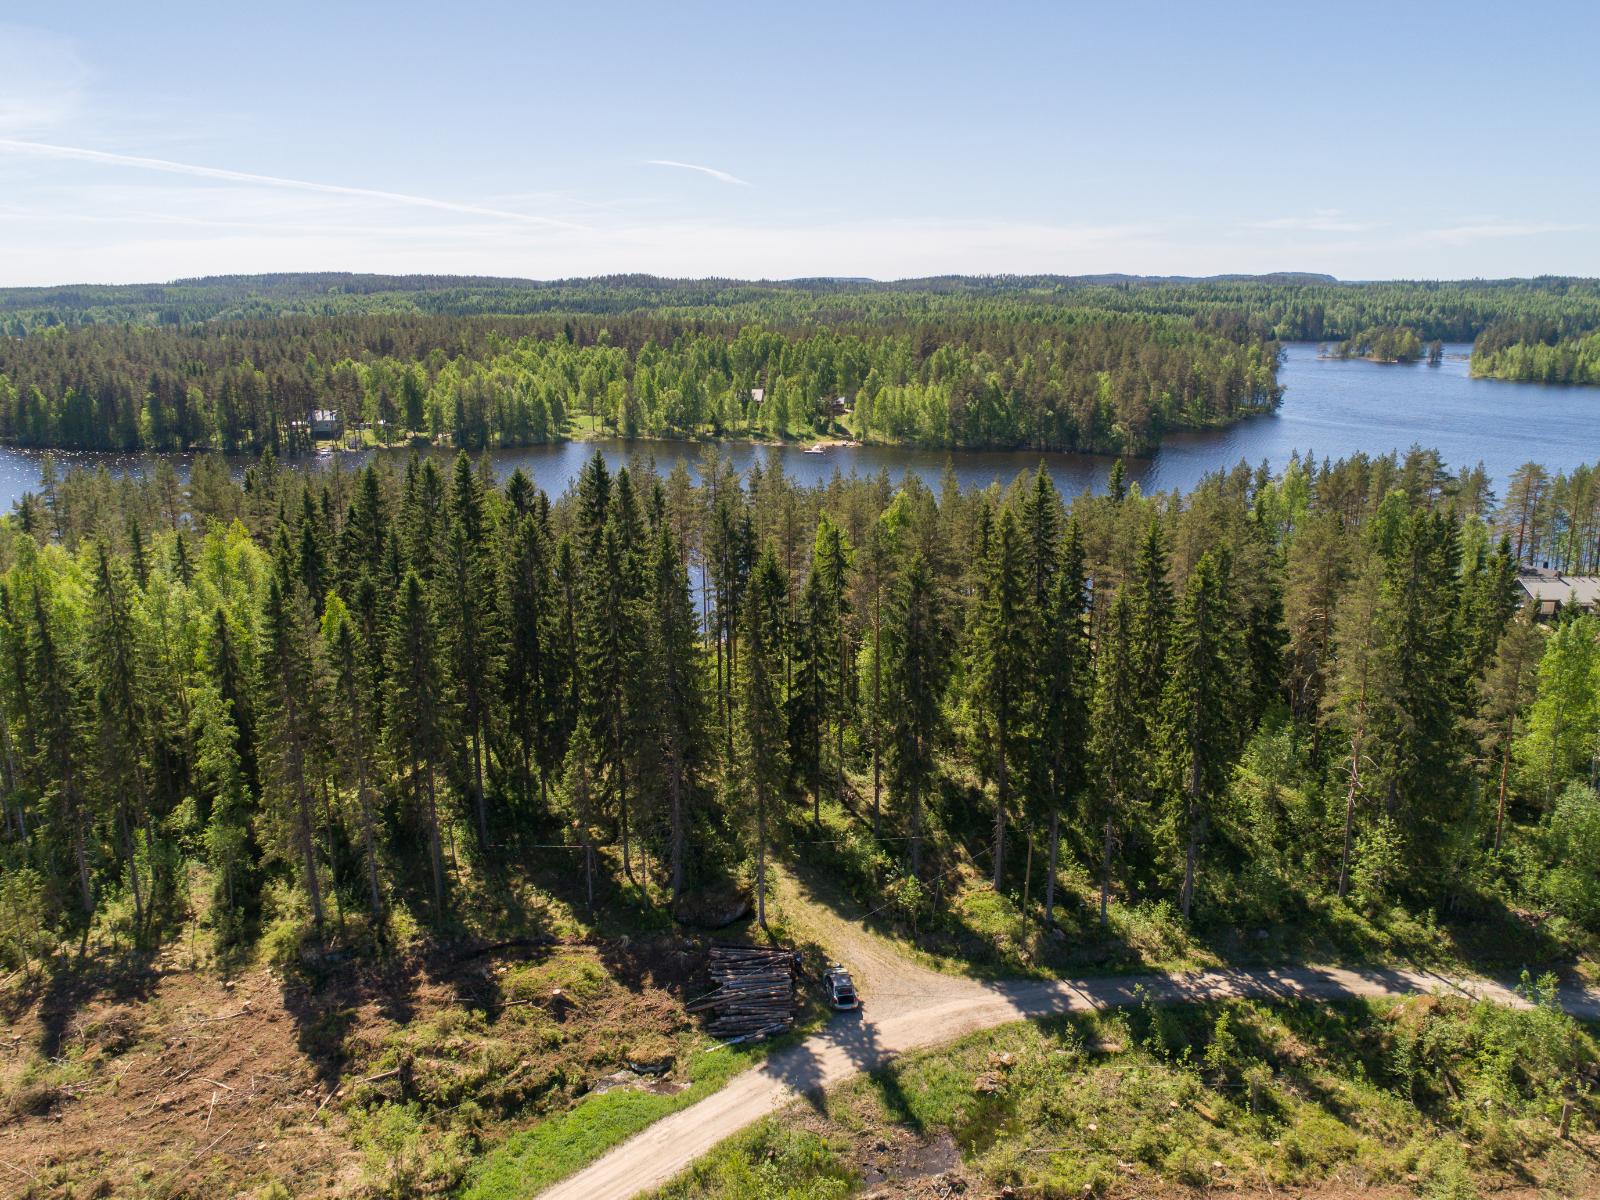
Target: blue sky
[[148, 142]]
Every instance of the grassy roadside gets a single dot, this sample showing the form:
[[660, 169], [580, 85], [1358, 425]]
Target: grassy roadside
[[533, 1159], [1427, 1096], [954, 921]]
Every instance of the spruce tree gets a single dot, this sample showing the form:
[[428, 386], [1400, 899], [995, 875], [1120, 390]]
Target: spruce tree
[[122, 724], [416, 715], [63, 755], [1419, 733], [1508, 688], [529, 684], [228, 834], [292, 722], [1358, 689], [610, 655], [1061, 752], [814, 645], [831, 560], [471, 638], [1199, 736], [1118, 752], [916, 669], [761, 755], [226, 667], [356, 726], [1004, 662], [1318, 568], [679, 702]]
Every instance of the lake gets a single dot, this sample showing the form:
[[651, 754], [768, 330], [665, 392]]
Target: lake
[[1331, 408]]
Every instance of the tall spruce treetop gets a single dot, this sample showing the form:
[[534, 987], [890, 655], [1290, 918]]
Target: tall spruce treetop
[[1005, 642], [594, 503], [1421, 743], [1119, 754], [917, 662], [1200, 734]]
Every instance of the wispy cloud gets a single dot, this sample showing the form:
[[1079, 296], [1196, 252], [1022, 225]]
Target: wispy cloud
[[720, 176], [42, 78], [81, 154], [1321, 220], [1458, 234]]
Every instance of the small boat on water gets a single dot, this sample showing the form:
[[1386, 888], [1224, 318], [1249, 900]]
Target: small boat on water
[[815, 450]]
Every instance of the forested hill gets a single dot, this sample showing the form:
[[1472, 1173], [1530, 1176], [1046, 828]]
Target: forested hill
[[1287, 306]]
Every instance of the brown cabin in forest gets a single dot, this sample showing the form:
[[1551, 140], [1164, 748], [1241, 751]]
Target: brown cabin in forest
[[1553, 591]]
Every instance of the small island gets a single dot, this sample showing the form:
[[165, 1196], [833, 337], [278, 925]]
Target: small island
[[1385, 344]]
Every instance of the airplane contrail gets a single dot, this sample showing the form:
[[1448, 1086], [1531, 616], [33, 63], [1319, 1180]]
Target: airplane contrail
[[724, 176], [47, 150]]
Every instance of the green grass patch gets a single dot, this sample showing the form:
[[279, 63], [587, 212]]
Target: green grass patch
[[768, 1161], [1436, 1095], [534, 1158]]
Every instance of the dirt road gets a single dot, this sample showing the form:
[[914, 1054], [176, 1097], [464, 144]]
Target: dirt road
[[908, 1007]]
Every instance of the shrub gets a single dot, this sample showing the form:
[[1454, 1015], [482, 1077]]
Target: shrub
[[25, 932]]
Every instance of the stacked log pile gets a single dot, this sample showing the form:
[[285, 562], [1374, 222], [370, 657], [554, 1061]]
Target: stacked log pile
[[752, 993]]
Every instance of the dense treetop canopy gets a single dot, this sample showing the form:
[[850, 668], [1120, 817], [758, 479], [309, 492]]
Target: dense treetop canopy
[[356, 694], [1101, 363]]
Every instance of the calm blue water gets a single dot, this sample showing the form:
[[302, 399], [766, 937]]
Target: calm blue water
[[1330, 409]]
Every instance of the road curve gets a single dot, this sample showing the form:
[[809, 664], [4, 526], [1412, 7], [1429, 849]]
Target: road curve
[[920, 1008]]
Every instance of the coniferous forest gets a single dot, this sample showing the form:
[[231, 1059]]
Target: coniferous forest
[[337, 703], [240, 364]]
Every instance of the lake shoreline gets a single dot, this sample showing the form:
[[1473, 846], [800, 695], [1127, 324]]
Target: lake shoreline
[[1329, 408]]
